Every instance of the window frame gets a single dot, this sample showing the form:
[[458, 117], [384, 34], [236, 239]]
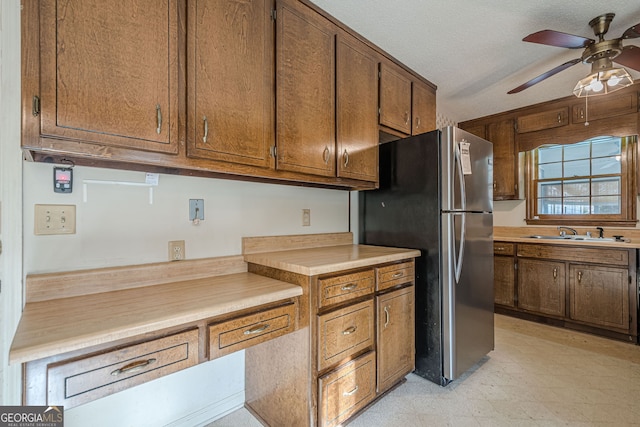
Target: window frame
[[627, 216]]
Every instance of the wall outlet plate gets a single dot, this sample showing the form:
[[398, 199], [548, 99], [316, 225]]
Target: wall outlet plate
[[176, 250], [306, 217]]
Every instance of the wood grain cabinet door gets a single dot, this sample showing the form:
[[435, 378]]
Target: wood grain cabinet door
[[395, 98], [423, 108], [230, 47], [356, 109], [395, 336], [541, 287], [504, 280], [543, 120], [505, 159], [305, 90], [600, 296], [109, 72]]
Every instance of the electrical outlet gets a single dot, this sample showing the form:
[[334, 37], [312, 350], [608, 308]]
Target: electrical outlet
[[55, 219], [306, 217], [176, 250]]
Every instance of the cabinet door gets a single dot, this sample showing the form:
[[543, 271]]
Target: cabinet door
[[477, 130], [395, 98], [395, 336], [600, 296], [504, 280], [505, 159], [357, 109], [230, 81], [541, 287], [601, 107], [305, 92], [543, 120], [423, 108], [109, 72]]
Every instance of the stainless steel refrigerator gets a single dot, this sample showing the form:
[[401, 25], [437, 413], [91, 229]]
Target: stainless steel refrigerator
[[435, 195]]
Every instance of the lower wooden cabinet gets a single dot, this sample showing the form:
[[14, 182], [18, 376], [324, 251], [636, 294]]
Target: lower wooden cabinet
[[395, 336], [85, 378], [541, 287], [589, 288]]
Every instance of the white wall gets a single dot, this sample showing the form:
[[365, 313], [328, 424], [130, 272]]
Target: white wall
[[117, 225]]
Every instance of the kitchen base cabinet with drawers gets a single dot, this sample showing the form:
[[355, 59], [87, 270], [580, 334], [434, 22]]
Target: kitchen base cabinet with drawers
[[587, 288], [354, 344]]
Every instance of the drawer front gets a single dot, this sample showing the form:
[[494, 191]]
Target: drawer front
[[578, 253], [345, 391], [344, 332], [75, 382], [393, 275], [237, 334], [338, 289], [501, 248]]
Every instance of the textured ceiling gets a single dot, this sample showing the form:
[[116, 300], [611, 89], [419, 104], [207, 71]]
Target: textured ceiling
[[473, 50]]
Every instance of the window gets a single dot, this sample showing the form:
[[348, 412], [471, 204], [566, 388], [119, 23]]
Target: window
[[588, 182]]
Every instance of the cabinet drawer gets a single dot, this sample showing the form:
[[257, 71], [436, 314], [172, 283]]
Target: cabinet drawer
[[72, 383], [343, 288], [237, 334], [344, 332], [543, 120], [571, 253], [345, 391], [501, 248], [396, 274]]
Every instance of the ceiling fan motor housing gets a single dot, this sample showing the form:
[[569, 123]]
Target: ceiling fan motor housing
[[605, 49]]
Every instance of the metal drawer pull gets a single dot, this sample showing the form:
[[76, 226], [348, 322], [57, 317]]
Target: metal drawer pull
[[159, 119], [349, 287], [398, 274], [257, 329], [206, 128], [349, 393], [407, 117], [133, 367], [386, 316], [555, 273], [579, 276], [349, 330], [345, 156]]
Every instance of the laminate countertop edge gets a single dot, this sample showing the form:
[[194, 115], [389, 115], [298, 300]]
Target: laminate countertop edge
[[634, 244]]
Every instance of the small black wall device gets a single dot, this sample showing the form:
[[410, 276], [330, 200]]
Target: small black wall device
[[62, 180]]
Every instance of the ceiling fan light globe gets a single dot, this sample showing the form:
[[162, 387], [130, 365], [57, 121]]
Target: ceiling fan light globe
[[596, 85], [613, 81]]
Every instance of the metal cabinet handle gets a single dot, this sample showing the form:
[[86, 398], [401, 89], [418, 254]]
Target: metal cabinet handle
[[417, 122], [345, 156], [349, 393], [495, 185], [349, 330], [257, 329], [133, 367], [407, 117], [579, 276], [206, 128], [555, 272], [158, 119], [559, 117], [325, 155], [349, 287], [398, 274], [386, 316]]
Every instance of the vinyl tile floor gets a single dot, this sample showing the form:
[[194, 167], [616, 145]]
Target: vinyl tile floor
[[538, 375]]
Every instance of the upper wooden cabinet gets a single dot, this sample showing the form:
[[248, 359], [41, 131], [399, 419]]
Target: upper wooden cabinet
[[305, 93], [230, 81], [107, 73], [395, 98], [543, 120], [423, 107], [505, 159], [604, 107], [356, 109]]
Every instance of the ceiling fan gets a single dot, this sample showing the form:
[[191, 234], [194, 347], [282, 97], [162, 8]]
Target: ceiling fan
[[600, 54]]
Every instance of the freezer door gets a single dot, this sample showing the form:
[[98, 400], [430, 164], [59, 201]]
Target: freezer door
[[467, 289], [467, 171]]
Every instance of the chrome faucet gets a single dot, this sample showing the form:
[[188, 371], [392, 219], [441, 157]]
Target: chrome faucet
[[564, 233], [601, 231]]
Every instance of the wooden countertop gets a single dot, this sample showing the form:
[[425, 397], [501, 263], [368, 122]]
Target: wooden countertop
[[329, 259], [56, 326], [519, 235]]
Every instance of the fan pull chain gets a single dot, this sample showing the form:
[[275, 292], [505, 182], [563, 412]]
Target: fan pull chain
[[586, 110]]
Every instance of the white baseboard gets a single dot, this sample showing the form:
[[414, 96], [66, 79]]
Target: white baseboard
[[212, 412]]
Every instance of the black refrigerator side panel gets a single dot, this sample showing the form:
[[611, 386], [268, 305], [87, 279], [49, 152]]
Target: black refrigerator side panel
[[405, 212]]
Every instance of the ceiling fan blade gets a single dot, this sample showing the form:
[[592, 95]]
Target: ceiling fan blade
[[545, 75], [556, 38], [632, 32], [629, 57]]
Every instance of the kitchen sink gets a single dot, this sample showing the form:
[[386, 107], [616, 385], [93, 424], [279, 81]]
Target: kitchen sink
[[574, 237]]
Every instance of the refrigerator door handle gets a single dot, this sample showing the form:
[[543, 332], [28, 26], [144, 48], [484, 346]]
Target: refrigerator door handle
[[458, 258], [463, 191]]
